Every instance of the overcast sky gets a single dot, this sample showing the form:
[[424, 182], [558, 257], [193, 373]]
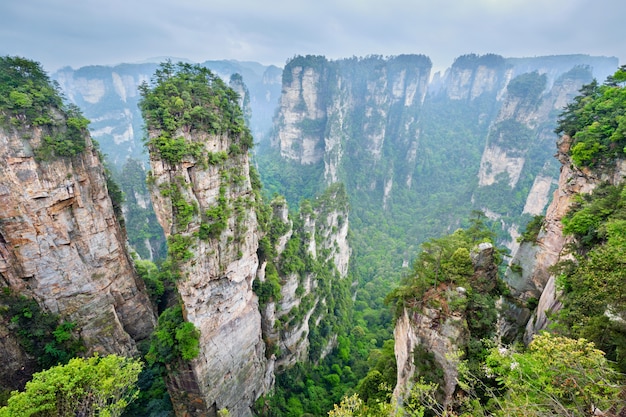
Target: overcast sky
[[89, 32]]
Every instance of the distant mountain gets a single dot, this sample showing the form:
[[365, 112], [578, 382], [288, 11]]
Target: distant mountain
[[417, 156], [108, 96]]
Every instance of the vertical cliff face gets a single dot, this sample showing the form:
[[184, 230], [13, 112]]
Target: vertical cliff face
[[302, 111], [534, 279], [407, 147], [203, 198], [311, 259], [364, 106], [62, 245], [472, 76], [517, 158], [216, 279]]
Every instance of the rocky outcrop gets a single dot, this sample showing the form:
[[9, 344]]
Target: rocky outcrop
[[533, 279], [517, 156], [440, 335], [61, 244], [322, 100], [434, 328], [306, 294], [217, 271], [471, 76], [302, 112]]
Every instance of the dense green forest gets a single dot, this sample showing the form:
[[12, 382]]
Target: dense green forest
[[576, 368]]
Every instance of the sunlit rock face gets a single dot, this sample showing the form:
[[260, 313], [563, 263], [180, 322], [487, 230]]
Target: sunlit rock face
[[60, 243]]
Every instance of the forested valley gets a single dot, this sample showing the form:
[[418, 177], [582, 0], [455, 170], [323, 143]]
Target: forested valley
[[376, 251]]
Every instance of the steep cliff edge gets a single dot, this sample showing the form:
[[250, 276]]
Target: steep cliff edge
[[445, 310], [304, 282], [534, 278], [591, 161], [60, 240], [203, 198]]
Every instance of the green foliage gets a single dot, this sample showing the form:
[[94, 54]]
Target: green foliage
[[153, 399], [184, 98], [556, 376], [183, 211], [442, 260], [472, 61], [173, 339], [41, 334], [26, 94], [528, 87], [315, 62], [96, 386], [596, 121], [178, 248], [593, 283], [150, 275], [587, 219], [533, 227], [215, 219], [268, 290], [28, 98], [353, 406]]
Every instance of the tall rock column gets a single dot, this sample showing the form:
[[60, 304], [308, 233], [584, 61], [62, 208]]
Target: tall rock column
[[204, 200]]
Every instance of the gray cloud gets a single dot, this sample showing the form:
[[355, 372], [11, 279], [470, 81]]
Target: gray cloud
[[83, 32]]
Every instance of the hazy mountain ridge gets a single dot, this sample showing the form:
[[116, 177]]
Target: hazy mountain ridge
[[404, 150]]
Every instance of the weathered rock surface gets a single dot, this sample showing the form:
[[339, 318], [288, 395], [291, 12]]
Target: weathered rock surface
[[535, 280], [440, 331], [324, 237], [62, 245], [216, 282], [321, 98]]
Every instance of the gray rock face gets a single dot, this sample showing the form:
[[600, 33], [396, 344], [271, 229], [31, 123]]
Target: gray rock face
[[62, 245], [535, 259], [321, 98], [438, 330], [216, 282]]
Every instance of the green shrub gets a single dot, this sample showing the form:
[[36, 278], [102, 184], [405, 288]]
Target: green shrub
[[173, 339], [43, 335]]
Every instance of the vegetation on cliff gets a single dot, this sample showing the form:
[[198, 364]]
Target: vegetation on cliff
[[594, 291], [596, 121], [41, 334], [555, 376], [96, 386], [187, 98], [28, 99]]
